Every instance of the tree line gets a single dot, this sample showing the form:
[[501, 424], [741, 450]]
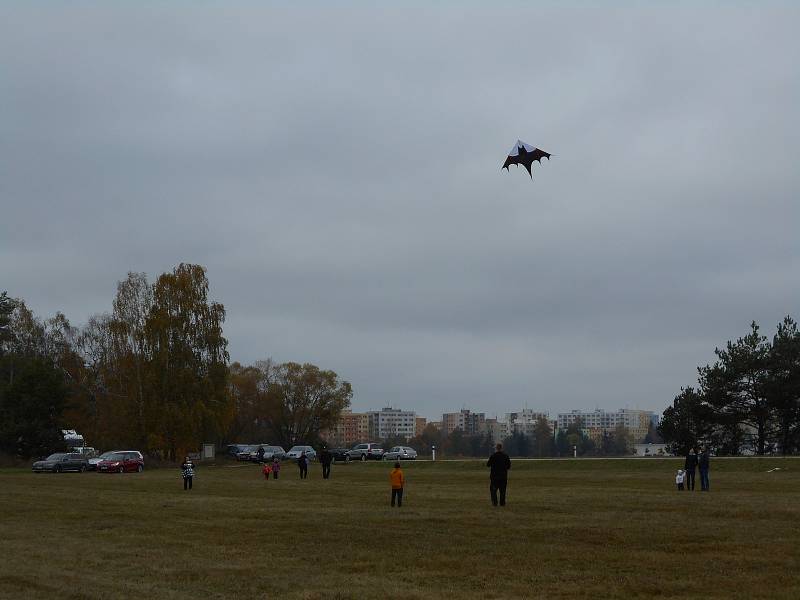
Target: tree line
[[747, 401], [153, 373]]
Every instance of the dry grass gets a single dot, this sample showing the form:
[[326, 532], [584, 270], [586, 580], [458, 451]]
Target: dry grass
[[572, 529]]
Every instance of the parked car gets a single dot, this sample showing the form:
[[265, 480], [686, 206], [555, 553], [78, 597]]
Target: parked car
[[400, 453], [244, 453], [295, 452], [56, 463], [233, 450], [269, 453], [366, 452], [94, 461], [122, 461], [340, 454]]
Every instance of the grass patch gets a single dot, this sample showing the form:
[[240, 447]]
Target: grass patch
[[572, 529]]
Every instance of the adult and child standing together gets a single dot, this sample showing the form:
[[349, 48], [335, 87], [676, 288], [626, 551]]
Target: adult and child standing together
[[694, 462]]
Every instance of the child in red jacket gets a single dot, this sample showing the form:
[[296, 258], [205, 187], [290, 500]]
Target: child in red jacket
[[266, 471]]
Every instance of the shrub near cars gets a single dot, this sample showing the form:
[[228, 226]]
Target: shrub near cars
[[122, 461], [56, 463]]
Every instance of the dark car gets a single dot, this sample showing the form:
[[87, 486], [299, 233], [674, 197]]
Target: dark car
[[245, 451], [365, 452], [340, 454], [124, 461], [233, 450], [56, 463]]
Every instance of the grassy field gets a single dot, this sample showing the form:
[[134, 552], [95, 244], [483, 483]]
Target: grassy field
[[572, 529]]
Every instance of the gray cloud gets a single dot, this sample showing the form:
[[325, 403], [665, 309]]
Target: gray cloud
[[337, 171]]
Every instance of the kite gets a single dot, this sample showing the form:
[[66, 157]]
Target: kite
[[524, 154]]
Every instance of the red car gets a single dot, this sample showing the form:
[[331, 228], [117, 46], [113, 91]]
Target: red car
[[124, 460]]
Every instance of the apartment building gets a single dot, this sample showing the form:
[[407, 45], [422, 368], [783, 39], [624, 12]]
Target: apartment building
[[392, 422], [595, 422], [469, 422], [352, 428]]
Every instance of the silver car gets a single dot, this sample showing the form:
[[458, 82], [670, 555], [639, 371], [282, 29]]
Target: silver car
[[400, 453], [295, 452]]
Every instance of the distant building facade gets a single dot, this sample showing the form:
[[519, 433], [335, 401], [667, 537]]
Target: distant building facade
[[596, 422], [351, 428], [392, 422], [467, 421]]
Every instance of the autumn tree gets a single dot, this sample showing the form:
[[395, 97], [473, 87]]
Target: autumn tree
[[188, 373], [253, 407], [305, 400]]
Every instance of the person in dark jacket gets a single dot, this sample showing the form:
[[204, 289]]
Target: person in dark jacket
[[325, 459], [690, 466], [302, 462], [187, 471], [499, 463], [703, 464]]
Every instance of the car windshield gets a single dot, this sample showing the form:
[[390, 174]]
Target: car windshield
[[106, 455], [56, 456], [115, 456], [395, 449], [298, 449]]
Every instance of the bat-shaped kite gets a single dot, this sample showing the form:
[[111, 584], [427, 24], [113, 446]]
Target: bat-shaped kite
[[524, 154]]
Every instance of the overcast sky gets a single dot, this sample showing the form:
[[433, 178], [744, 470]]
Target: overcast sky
[[337, 171]]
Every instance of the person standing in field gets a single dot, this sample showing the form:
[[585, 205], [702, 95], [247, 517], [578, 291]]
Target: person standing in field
[[690, 466], [276, 467], [266, 470], [679, 479], [187, 471], [325, 459], [703, 464], [398, 481], [302, 462], [499, 463]]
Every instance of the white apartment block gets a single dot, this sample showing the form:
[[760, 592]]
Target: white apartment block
[[392, 422], [525, 422], [636, 422]]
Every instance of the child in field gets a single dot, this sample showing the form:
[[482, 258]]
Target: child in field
[[266, 470], [302, 462], [276, 467], [397, 480], [187, 471], [679, 478]]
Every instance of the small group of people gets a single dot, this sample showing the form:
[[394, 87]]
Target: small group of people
[[499, 463], [685, 478], [273, 468], [325, 458]]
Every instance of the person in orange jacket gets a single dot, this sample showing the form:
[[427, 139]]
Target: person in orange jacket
[[398, 481], [266, 470]]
